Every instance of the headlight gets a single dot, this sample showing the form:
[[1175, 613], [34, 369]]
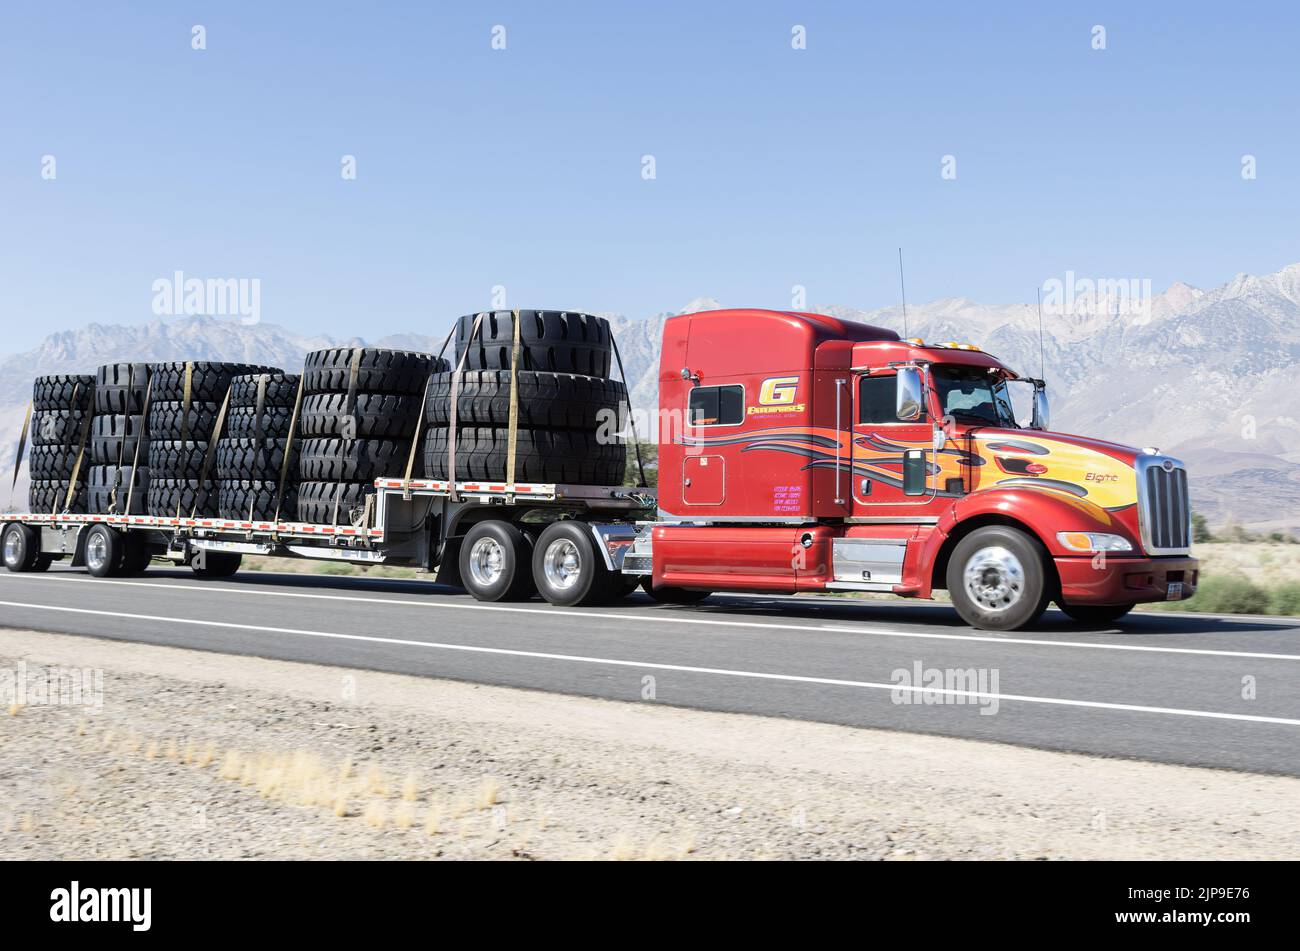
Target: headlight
[[1093, 541]]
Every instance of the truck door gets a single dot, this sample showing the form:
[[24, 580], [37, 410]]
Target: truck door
[[883, 448]]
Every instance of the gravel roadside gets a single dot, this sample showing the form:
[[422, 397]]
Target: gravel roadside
[[198, 755]]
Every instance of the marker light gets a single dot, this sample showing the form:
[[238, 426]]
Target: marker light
[[915, 341], [1093, 541]]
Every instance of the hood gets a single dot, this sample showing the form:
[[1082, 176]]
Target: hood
[[1092, 469]]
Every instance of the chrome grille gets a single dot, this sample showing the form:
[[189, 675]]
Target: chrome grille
[[1163, 509]]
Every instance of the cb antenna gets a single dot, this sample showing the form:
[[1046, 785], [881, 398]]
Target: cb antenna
[[1042, 363], [902, 290]]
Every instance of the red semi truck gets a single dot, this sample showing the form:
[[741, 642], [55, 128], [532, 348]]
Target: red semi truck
[[797, 453]]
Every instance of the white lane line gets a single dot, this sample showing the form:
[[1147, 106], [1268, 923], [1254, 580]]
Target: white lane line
[[680, 668], [68, 577]]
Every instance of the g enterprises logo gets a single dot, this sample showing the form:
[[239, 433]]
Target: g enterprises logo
[[103, 904]]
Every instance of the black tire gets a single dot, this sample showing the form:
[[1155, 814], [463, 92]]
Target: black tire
[[550, 341], [1010, 574], [255, 459], [186, 497], [255, 499], [44, 497], [135, 482], [136, 556], [209, 381], [215, 564], [52, 463], [351, 460], [382, 415], [168, 420], [668, 594], [332, 503], [174, 459], [119, 388], [104, 551], [279, 389], [378, 371], [541, 455], [21, 546], [243, 422], [113, 439], [546, 400], [496, 562], [43, 562], [568, 569], [57, 427], [1096, 613], [63, 391]]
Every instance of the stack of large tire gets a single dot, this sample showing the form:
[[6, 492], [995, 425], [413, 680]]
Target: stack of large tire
[[60, 405], [360, 411], [251, 452], [119, 470], [182, 425], [567, 407]]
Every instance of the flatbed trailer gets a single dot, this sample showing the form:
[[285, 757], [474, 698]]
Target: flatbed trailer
[[419, 523]]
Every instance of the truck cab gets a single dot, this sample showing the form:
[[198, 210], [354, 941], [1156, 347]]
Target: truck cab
[[799, 452]]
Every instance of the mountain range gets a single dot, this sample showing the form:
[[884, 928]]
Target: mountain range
[[1206, 375]]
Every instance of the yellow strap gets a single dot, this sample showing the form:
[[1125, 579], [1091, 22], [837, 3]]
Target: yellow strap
[[512, 437], [288, 447], [452, 421], [81, 449], [415, 444], [139, 438], [211, 453], [22, 445]]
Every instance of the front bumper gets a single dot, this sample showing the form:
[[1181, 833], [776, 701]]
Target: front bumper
[[1125, 580]]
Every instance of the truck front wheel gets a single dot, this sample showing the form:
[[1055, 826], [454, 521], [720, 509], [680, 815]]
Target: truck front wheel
[[215, 564], [998, 579]]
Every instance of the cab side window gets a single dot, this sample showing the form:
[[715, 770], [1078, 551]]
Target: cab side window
[[876, 396], [716, 406]]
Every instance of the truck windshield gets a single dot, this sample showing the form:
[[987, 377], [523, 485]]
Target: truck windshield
[[973, 395]]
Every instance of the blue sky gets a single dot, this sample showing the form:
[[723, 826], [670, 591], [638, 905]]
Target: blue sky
[[522, 167]]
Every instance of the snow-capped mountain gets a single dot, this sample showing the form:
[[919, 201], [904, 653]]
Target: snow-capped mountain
[[1207, 375]]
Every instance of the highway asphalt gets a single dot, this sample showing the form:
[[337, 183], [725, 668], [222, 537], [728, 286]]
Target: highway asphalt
[[1191, 689]]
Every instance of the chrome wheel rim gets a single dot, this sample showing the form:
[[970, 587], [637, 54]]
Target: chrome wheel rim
[[13, 545], [562, 564], [487, 562], [96, 551], [994, 579]]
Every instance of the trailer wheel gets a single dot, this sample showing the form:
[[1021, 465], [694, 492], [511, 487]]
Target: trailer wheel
[[667, 594], [568, 569], [215, 564], [136, 556], [998, 579], [1095, 613], [494, 562], [21, 547], [104, 550]]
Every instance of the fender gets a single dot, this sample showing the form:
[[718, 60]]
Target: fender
[[1054, 511]]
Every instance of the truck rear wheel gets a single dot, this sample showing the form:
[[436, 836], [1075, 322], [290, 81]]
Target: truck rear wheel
[[568, 569], [1095, 613], [215, 564], [494, 559], [104, 550], [998, 579], [136, 556]]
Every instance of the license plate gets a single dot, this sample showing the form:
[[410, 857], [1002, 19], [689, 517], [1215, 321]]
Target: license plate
[[1175, 591]]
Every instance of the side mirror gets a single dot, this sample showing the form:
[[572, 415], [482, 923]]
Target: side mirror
[[908, 402], [1042, 409]]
